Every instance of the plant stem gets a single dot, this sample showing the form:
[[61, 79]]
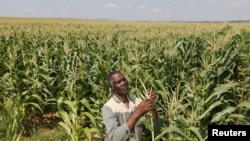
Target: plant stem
[[152, 132]]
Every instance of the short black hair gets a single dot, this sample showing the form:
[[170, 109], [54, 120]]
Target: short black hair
[[110, 75]]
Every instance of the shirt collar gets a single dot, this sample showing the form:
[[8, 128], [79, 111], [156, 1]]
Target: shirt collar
[[130, 99]]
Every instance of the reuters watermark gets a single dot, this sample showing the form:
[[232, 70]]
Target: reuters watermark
[[241, 132]]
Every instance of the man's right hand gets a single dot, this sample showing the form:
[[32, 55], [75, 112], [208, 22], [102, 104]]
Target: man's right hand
[[145, 106]]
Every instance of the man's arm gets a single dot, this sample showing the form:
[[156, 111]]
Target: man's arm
[[115, 131], [123, 131], [145, 106]]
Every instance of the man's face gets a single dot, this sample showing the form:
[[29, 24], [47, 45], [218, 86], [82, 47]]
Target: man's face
[[120, 84]]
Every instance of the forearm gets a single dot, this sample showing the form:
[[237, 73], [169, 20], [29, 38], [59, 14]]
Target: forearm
[[132, 120], [114, 130], [120, 133]]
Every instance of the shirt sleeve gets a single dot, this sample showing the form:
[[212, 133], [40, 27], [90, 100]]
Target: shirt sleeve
[[115, 131]]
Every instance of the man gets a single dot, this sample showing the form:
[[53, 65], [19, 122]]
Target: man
[[122, 113]]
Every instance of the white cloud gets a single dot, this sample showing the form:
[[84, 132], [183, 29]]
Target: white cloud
[[42, 9], [128, 6], [65, 8], [28, 9], [168, 11], [141, 6], [110, 5], [238, 3], [156, 10], [192, 6]]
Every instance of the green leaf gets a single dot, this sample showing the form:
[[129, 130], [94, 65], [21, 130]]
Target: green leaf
[[87, 133], [183, 121], [35, 105], [73, 105], [163, 91], [66, 118], [196, 131], [66, 127], [60, 103], [221, 115], [146, 123], [244, 104], [170, 129], [86, 104], [220, 90], [239, 117], [210, 108], [91, 117]]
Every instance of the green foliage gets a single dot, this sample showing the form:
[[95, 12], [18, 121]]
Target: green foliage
[[73, 123], [201, 77]]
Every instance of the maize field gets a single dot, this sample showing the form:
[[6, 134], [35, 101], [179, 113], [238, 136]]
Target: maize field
[[53, 75]]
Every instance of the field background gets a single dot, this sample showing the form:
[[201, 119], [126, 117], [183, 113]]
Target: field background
[[52, 76]]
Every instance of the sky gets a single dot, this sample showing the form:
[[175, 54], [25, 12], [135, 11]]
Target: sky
[[129, 10]]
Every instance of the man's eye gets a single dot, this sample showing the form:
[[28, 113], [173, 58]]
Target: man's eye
[[117, 82]]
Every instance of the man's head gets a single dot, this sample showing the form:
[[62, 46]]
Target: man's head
[[118, 83]]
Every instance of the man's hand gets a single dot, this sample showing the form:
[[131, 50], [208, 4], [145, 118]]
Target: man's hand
[[152, 95], [145, 106]]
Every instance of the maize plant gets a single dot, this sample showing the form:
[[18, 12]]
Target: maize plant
[[200, 72]]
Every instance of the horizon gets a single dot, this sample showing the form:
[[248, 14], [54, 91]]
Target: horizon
[[103, 19], [130, 10]]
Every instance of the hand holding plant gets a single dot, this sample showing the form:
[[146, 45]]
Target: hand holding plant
[[151, 95], [145, 106]]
